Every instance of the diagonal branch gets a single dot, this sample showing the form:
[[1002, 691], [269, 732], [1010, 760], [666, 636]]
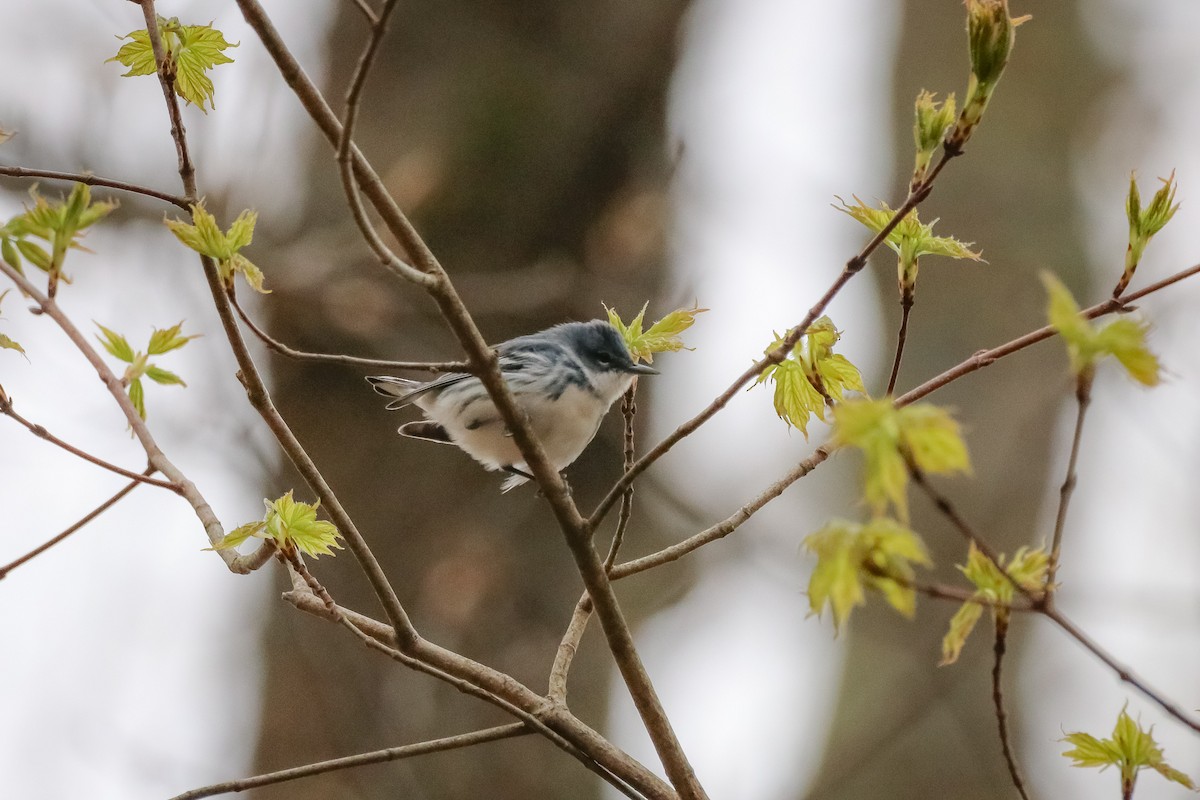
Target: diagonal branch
[[6, 408], [334, 358], [95, 512], [94, 180], [360, 760]]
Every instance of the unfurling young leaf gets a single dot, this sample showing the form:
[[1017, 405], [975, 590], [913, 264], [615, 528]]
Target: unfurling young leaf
[[932, 121], [853, 557], [205, 237], [1131, 749], [1123, 339], [292, 525], [810, 376], [661, 337], [162, 341], [1027, 568], [5, 342], [1144, 223], [191, 50], [60, 224], [910, 239], [886, 435], [991, 31]]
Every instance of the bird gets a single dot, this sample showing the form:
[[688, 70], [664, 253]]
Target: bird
[[564, 379]]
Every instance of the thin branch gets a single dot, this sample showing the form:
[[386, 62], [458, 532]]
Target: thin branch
[[1123, 672], [1083, 398], [948, 510], [780, 352], [256, 389], [985, 358], [95, 512], [726, 526], [94, 180], [906, 304], [345, 159], [333, 358], [367, 12], [6, 408], [998, 649], [569, 645], [156, 457], [362, 759]]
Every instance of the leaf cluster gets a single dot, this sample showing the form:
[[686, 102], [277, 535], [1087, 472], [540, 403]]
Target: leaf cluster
[[1124, 339], [1027, 568], [206, 238], [661, 337], [909, 239], [889, 437], [162, 341], [811, 376], [191, 51], [852, 558], [60, 224], [292, 525], [1131, 749]]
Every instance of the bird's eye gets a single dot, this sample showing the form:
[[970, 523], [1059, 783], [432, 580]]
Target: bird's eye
[[604, 358]]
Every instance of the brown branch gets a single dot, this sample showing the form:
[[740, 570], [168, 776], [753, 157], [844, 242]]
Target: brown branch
[[94, 180], [777, 354], [998, 649], [1083, 398], [569, 645], [575, 529], [726, 526], [95, 512], [362, 759], [6, 408], [367, 12], [906, 304], [334, 358], [155, 456]]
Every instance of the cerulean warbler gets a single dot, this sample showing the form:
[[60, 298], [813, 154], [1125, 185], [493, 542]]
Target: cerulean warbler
[[564, 378]]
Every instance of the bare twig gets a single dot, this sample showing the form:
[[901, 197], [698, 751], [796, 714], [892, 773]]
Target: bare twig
[[998, 648], [362, 759], [156, 457], [569, 645], [906, 304], [6, 408], [95, 512], [367, 12], [334, 358], [94, 180], [1083, 398], [726, 526]]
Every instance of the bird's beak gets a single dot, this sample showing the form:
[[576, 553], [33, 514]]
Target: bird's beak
[[642, 369]]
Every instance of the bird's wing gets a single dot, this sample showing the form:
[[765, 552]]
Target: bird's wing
[[405, 391]]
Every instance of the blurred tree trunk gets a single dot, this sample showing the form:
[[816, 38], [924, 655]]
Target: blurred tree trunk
[[905, 728], [526, 142]]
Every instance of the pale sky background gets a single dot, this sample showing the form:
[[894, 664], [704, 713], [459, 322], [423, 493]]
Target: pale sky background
[[126, 684]]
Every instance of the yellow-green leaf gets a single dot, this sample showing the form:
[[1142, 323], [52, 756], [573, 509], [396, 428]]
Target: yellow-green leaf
[[809, 372], [292, 523], [1131, 749], [961, 625], [910, 238], [137, 396], [852, 557], [1124, 339], [662, 336], [933, 439], [192, 50], [239, 535], [116, 344], [164, 340], [204, 236], [163, 377]]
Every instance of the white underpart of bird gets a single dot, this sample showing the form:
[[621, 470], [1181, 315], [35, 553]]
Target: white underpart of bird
[[564, 379]]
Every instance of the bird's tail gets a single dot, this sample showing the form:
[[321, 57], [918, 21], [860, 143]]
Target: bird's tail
[[512, 482], [400, 389]]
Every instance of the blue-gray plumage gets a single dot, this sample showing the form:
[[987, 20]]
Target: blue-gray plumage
[[564, 378]]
